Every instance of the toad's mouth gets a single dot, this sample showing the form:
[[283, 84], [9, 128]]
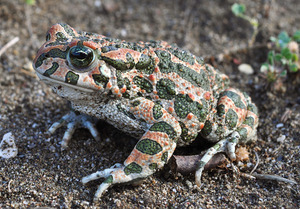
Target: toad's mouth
[[51, 81]]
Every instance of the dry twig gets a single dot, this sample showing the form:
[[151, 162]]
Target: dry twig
[[189, 164], [9, 44], [257, 162]]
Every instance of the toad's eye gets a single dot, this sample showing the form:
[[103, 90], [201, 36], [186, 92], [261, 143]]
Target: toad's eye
[[81, 57]]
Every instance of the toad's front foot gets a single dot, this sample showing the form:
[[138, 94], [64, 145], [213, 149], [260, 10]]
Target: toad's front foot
[[74, 121]]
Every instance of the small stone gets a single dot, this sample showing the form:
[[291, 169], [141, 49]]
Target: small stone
[[245, 68], [118, 202], [240, 164], [249, 165], [281, 138], [279, 125], [98, 3], [8, 148], [52, 148], [189, 184], [293, 47]]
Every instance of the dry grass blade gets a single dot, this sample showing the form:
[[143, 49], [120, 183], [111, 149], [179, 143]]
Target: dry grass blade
[[9, 44]]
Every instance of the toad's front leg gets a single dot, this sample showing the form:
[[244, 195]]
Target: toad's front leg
[[74, 120], [151, 152]]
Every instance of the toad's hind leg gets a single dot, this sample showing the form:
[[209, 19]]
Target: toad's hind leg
[[151, 152], [235, 121]]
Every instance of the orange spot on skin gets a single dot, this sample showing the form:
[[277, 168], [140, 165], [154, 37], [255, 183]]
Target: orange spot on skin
[[183, 84], [91, 44], [201, 125], [191, 96], [207, 95], [190, 116], [152, 77], [170, 109], [116, 91], [85, 79], [73, 43], [181, 92], [193, 124], [156, 69], [108, 85], [123, 90], [198, 93]]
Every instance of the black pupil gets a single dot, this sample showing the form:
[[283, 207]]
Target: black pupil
[[81, 56]]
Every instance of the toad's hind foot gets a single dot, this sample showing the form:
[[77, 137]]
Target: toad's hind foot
[[226, 145]]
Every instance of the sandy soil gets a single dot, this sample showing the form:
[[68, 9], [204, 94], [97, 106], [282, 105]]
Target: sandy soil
[[42, 175]]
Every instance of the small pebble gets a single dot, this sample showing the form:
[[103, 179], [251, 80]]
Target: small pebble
[[281, 138], [279, 125], [8, 148], [249, 165], [245, 68], [189, 184]]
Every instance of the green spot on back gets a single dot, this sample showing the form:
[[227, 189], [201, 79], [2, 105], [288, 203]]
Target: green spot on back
[[235, 98], [252, 108], [157, 112], [185, 136], [143, 84], [71, 78], [231, 119], [165, 128], [133, 168], [249, 121], [130, 60], [166, 65], [166, 89], [221, 110], [116, 63], [144, 62], [183, 55], [184, 105], [207, 129], [164, 157], [148, 146], [243, 134]]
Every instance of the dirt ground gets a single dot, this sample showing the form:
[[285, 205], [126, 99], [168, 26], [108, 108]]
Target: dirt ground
[[42, 175]]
